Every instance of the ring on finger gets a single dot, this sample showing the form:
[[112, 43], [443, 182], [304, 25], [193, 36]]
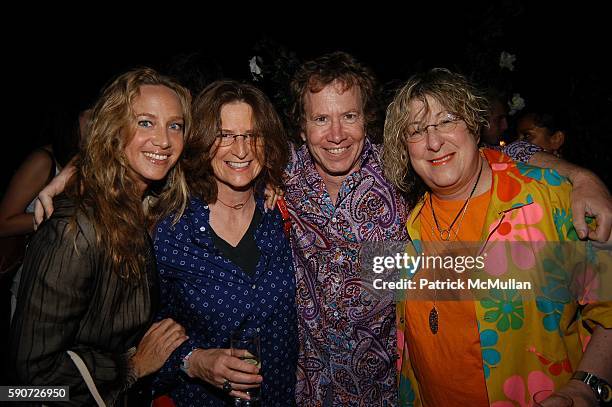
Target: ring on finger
[[227, 386]]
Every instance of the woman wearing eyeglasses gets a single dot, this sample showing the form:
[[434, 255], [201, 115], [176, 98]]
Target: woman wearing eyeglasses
[[226, 264], [506, 344]]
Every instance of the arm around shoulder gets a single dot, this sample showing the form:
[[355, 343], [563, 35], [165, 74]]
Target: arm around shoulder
[[590, 196], [44, 205]]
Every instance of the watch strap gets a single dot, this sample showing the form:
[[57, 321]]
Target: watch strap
[[601, 388]]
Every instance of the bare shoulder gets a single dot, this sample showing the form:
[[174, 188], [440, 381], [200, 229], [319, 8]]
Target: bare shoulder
[[37, 164]]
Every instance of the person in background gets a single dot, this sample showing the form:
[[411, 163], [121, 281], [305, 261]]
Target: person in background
[[89, 284], [17, 204], [493, 134], [543, 129], [590, 196], [497, 123], [226, 264], [44, 163]]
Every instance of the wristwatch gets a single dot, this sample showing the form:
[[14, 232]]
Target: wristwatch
[[601, 388], [185, 362]]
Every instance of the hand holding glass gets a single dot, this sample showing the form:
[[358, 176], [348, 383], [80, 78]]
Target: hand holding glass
[[245, 345]]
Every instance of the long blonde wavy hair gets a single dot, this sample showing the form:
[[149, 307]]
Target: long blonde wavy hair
[[103, 188], [452, 91]]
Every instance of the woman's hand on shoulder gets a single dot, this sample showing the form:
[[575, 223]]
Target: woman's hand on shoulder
[[43, 209], [156, 346], [272, 194], [215, 366]]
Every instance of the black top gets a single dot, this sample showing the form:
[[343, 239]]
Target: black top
[[246, 254], [69, 299]]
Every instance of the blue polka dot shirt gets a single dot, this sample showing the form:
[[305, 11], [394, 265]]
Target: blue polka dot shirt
[[211, 297]]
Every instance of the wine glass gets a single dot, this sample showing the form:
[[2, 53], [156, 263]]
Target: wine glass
[[247, 339]]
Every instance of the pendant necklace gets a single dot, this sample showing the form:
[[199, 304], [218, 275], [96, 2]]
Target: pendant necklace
[[445, 235]]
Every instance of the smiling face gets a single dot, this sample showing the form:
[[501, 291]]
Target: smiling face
[[237, 165], [446, 161], [334, 129], [158, 139]]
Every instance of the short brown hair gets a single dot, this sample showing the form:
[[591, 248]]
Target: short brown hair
[[207, 125], [339, 66]]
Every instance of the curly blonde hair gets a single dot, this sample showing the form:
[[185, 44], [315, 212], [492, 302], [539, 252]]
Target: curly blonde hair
[[103, 183], [453, 92]]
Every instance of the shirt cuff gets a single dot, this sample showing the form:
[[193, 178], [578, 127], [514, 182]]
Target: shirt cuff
[[521, 150]]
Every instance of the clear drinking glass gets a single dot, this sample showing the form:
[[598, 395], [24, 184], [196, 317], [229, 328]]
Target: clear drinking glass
[[247, 339], [559, 398]]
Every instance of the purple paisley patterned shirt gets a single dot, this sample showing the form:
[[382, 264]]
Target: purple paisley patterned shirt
[[348, 344], [519, 150]]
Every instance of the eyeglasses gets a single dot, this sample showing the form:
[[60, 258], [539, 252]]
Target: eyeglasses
[[227, 139], [444, 126]]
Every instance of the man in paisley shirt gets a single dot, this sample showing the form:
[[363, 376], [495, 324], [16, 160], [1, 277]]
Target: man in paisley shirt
[[338, 198]]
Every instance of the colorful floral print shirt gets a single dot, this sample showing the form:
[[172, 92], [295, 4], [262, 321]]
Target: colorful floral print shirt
[[535, 343]]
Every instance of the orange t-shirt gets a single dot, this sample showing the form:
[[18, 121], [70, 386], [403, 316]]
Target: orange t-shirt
[[451, 358]]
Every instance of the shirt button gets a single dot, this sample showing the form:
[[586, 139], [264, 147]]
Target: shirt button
[[402, 320], [258, 329], [202, 228], [334, 219], [205, 206], [336, 313], [253, 286]]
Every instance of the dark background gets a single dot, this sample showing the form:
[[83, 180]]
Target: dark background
[[561, 56]]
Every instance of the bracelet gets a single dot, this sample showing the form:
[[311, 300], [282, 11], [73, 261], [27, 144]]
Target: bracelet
[[129, 370], [185, 362]]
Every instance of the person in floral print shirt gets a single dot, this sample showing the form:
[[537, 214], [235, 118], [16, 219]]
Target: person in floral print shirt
[[503, 347]]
